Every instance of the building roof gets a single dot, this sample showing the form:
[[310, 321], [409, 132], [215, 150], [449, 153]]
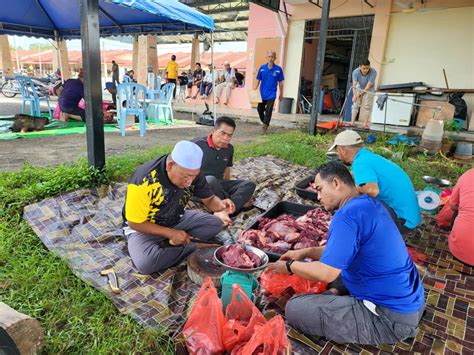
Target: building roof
[[123, 57]]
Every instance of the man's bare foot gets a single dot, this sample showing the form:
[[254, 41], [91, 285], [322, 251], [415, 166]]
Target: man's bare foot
[[224, 217], [264, 129]]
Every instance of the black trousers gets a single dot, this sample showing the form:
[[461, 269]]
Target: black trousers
[[400, 222], [115, 80], [239, 191], [76, 111], [265, 110], [174, 82]]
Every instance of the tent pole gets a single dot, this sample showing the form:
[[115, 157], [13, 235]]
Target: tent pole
[[90, 39], [213, 81]]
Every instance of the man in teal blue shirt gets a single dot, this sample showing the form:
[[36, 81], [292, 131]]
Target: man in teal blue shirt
[[380, 178]]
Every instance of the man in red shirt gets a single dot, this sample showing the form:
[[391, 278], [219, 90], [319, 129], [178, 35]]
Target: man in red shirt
[[461, 239]]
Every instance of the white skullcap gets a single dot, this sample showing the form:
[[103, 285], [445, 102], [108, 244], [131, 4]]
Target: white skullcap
[[187, 155]]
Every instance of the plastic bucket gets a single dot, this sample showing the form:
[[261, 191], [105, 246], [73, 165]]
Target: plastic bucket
[[285, 105], [434, 131]]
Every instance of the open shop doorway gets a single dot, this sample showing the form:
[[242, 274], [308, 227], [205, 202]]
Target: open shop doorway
[[347, 44]]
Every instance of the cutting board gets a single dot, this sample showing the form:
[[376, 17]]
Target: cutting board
[[201, 265], [426, 113]]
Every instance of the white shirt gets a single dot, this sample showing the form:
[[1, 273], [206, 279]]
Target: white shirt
[[228, 75], [209, 76]]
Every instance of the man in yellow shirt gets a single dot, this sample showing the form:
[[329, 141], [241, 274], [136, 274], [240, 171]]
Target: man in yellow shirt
[[172, 72]]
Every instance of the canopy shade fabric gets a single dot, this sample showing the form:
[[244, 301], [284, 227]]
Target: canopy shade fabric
[[48, 18]]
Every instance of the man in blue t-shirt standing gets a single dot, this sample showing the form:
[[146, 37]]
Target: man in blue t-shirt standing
[[269, 76], [380, 178], [375, 294]]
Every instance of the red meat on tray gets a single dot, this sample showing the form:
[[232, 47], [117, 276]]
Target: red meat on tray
[[287, 232], [236, 256]]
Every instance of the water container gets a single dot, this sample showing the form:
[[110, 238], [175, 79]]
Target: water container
[[433, 135]]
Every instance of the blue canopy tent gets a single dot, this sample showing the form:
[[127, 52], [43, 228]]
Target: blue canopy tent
[[61, 18], [88, 20]]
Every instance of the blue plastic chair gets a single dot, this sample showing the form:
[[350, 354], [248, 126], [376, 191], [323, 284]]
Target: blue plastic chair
[[131, 101], [30, 96], [164, 105]]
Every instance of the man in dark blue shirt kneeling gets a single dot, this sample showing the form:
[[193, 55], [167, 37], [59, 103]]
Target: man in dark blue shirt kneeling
[[375, 293]]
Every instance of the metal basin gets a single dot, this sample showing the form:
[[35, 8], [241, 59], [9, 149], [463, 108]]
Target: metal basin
[[436, 181], [260, 253]]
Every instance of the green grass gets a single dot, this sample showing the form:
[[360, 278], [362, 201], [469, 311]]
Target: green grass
[[76, 317]]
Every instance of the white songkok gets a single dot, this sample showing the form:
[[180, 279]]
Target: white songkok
[[187, 155]]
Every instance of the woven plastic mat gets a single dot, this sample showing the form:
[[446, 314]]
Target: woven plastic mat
[[83, 228]]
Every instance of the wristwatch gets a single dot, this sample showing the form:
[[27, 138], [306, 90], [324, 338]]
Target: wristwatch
[[288, 266]]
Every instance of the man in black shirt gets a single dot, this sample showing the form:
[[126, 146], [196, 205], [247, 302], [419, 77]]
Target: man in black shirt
[[159, 231], [198, 76], [217, 162], [239, 77]]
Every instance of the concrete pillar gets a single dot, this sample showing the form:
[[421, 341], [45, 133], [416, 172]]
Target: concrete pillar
[[62, 56], [6, 63], [195, 55], [135, 54], [379, 36], [147, 55]]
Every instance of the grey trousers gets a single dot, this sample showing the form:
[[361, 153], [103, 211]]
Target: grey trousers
[[239, 191], [344, 319], [151, 253]]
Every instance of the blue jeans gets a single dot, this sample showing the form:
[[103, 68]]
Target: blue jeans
[[205, 89]]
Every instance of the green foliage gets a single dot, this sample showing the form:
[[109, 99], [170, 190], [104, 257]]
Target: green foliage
[[75, 316], [451, 126]]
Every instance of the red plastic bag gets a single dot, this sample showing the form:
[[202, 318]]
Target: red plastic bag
[[203, 329], [277, 283], [269, 339], [241, 318]]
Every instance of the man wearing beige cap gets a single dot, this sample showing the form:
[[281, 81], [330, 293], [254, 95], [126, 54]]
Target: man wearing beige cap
[[380, 178], [227, 82], [159, 231]]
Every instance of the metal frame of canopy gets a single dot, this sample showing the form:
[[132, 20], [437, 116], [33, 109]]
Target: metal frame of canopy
[[90, 32]]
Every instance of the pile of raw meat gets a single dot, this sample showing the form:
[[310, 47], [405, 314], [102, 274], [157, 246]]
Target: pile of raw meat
[[287, 232], [236, 256]]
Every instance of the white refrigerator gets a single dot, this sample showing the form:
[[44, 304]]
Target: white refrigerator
[[399, 109]]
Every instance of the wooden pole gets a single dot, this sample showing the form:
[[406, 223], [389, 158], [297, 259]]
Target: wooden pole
[[319, 66]]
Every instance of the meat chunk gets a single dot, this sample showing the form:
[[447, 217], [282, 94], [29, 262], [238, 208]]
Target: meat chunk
[[288, 232], [236, 256]]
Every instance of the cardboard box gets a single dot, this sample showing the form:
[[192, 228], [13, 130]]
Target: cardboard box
[[426, 113], [329, 81]]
